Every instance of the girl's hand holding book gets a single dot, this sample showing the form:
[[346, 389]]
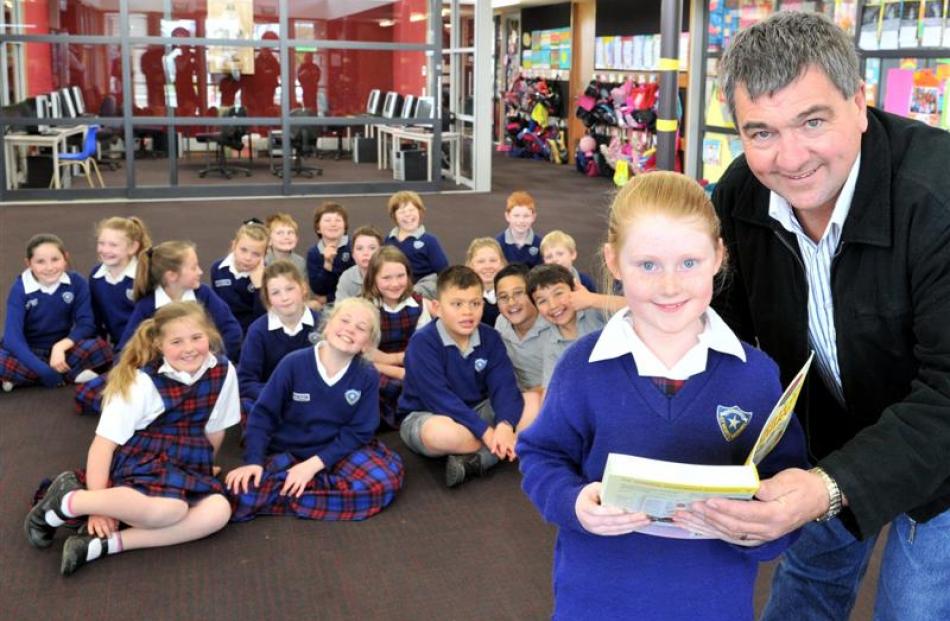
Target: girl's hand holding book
[[606, 521]]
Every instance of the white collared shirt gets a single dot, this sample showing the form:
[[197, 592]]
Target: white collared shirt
[[511, 240], [128, 272], [817, 259], [419, 232], [328, 379], [123, 416], [31, 284], [618, 338], [162, 298], [228, 262], [274, 322]]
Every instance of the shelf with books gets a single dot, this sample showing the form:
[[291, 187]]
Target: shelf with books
[[905, 52]]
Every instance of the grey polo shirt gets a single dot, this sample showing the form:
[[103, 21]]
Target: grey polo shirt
[[525, 352], [588, 320]]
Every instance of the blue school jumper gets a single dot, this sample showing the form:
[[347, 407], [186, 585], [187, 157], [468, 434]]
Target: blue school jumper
[[112, 303], [585, 279], [396, 328], [265, 346], [595, 408], [172, 457], [36, 321], [298, 416], [423, 250], [323, 282], [442, 380], [237, 291], [222, 316], [529, 254]]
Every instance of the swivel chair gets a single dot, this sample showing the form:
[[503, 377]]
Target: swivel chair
[[229, 137]]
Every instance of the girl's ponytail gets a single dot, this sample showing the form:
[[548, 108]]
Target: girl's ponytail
[[139, 351]]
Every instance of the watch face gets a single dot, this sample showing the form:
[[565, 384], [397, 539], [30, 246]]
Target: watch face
[[526, 39]]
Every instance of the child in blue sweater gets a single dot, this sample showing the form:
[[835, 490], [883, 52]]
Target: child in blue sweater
[[49, 336], [460, 397], [657, 382], [309, 445], [289, 325], [423, 249], [237, 277], [331, 255], [519, 242], [111, 283], [485, 257], [150, 467], [388, 285], [168, 272]]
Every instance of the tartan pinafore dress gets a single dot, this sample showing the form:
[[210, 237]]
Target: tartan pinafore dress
[[395, 331], [172, 457]]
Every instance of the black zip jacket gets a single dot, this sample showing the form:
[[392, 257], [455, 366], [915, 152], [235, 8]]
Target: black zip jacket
[[889, 447]]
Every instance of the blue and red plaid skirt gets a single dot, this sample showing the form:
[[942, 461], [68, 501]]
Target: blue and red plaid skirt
[[92, 353], [88, 396], [357, 487]]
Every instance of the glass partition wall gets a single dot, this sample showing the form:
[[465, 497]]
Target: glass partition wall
[[223, 98]]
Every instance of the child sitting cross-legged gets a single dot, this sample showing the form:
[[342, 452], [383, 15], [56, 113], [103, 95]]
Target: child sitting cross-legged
[[309, 448], [460, 397]]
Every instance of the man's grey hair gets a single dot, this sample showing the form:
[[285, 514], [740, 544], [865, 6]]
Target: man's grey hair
[[772, 54]]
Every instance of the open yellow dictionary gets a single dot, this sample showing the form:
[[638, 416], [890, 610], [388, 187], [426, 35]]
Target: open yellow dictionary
[[658, 488]]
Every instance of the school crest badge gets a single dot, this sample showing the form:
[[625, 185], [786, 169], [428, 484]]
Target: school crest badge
[[352, 396], [732, 421], [532, 251], [31, 303], [251, 288], [68, 297], [480, 364], [418, 244], [129, 294], [313, 337], [345, 257]]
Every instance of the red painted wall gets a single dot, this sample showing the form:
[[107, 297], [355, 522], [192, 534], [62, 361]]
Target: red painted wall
[[39, 56]]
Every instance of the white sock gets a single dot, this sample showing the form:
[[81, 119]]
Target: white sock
[[64, 506], [85, 375], [113, 545]]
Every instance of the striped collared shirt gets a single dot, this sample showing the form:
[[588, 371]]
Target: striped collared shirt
[[817, 258]]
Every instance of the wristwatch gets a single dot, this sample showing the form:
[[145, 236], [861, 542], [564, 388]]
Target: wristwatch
[[834, 495]]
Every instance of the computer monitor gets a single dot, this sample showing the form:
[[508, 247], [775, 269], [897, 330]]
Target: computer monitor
[[42, 112], [425, 108], [55, 105], [373, 103], [392, 105], [69, 108], [408, 107], [78, 100]]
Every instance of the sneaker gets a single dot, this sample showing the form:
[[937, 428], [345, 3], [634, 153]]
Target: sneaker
[[461, 467], [75, 551], [7, 386], [38, 531]]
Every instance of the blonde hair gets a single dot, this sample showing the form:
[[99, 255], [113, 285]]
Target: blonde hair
[[286, 269], [558, 238], [385, 254], [520, 199], [132, 227], [145, 345], [352, 304], [402, 197], [281, 219], [661, 193], [484, 242], [255, 231], [155, 261]]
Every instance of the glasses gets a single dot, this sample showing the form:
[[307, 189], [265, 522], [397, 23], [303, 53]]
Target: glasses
[[516, 296]]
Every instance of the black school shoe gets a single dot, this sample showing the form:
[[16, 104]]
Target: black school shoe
[[38, 532], [458, 468], [75, 551]]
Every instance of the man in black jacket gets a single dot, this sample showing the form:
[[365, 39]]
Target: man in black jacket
[[837, 223]]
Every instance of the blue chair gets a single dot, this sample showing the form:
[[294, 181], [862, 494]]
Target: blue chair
[[85, 158]]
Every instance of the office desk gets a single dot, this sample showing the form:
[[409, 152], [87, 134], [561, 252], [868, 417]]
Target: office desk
[[54, 140], [415, 134]]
